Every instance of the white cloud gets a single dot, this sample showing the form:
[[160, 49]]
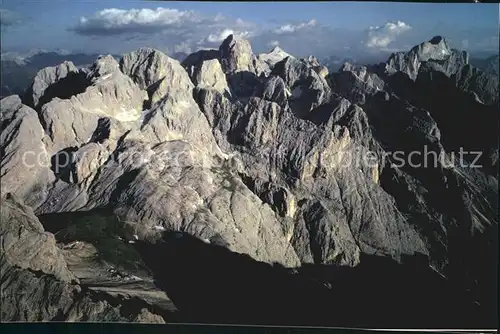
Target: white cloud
[[113, 21], [184, 47], [188, 31], [215, 39], [168, 29], [273, 43], [118, 30], [291, 28], [219, 37], [382, 36]]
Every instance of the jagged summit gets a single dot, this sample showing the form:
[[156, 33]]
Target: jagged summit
[[276, 49], [435, 50], [236, 55], [274, 56]]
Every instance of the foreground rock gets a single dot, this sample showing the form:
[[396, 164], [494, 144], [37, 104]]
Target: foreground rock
[[30, 262], [155, 72], [239, 290]]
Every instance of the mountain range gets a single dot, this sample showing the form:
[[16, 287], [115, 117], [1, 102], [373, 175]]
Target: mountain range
[[240, 188]]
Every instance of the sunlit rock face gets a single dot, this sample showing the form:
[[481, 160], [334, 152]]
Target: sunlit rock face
[[269, 156]]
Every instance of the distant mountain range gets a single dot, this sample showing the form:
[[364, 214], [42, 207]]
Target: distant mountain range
[[485, 62], [489, 65]]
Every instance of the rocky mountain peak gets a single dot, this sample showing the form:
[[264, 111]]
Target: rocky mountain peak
[[46, 78], [148, 67], [276, 49], [437, 51], [236, 55], [436, 48], [347, 66], [267, 162], [103, 67], [274, 56]]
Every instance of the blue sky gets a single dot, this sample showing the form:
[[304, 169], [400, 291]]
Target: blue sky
[[319, 28]]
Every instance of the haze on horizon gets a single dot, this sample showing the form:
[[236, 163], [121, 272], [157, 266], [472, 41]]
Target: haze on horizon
[[318, 28]]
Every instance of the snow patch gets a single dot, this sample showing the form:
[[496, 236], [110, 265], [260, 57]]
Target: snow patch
[[158, 228]]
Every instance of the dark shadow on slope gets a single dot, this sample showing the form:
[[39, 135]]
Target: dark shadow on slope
[[243, 84], [101, 228], [197, 57], [102, 131], [60, 163], [446, 197], [73, 84], [463, 122], [211, 284]]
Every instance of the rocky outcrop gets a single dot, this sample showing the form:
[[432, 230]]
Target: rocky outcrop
[[275, 90], [320, 69], [155, 72], [312, 169], [61, 81], [274, 56], [436, 56], [236, 55], [34, 268], [437, 51], [355, 83], [110, 94], [204, 199], [25, 243], [307, 89], [482, 84], [209, 75]]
